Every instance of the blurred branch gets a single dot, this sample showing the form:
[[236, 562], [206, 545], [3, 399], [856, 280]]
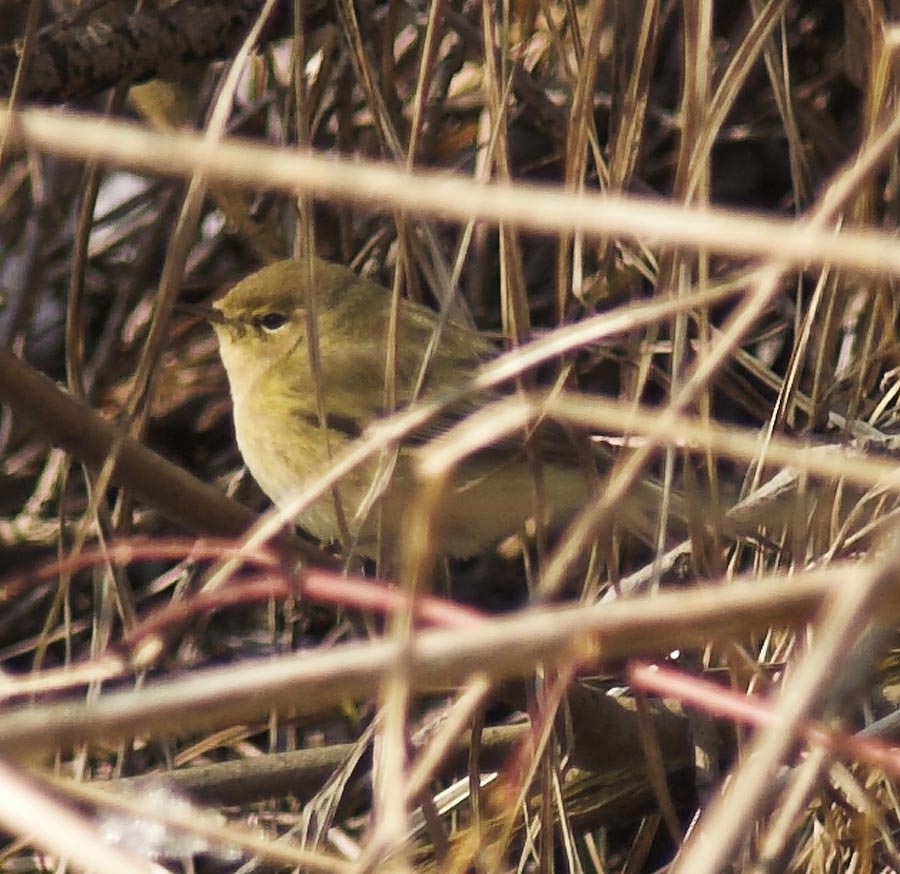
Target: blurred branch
[[547, 209], [176, 494], [307, 682]]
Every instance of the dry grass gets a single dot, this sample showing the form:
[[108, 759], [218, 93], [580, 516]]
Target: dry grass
[[679, 221]]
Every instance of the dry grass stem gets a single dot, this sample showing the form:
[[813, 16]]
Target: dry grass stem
[[675, 225]]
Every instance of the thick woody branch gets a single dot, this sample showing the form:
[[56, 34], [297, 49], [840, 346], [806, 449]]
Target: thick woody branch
[[78, 61]]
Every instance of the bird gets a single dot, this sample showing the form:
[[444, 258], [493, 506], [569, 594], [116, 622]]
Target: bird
[[261, 324]]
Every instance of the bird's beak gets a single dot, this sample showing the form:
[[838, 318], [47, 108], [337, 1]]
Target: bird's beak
[[208, 312]]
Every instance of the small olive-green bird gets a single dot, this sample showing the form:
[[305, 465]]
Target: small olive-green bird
[[262, 331]]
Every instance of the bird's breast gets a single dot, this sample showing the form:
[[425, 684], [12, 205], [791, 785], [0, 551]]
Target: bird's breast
[[282, 449]]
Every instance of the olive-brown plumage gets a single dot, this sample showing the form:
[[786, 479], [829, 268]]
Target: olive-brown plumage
[[263, 342]]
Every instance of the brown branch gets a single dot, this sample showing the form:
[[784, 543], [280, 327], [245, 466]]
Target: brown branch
[[302, 772], [80, 430], [75, 62]]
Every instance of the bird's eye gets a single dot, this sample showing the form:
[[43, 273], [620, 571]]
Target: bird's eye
[[272, 321]]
